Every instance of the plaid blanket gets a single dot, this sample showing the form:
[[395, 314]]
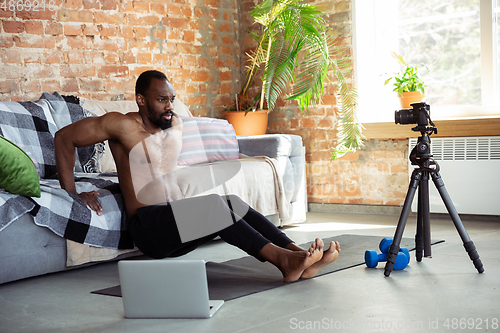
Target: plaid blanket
[[32, 126], [68, 216]]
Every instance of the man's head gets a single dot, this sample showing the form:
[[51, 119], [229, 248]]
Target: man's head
[[155, 97]]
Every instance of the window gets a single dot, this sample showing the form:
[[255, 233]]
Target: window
[[457, 40]]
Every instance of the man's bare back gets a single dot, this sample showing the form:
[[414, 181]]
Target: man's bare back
[[142, 150]]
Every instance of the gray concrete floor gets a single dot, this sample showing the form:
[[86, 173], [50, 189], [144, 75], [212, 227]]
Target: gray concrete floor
[[442, 293]]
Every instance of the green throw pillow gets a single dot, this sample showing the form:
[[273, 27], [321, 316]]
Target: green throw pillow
[[17, 171]]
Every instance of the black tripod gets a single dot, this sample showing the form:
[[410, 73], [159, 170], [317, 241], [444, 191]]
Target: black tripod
[[420, 155]]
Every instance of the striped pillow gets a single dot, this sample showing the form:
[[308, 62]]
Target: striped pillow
[[207, 140]]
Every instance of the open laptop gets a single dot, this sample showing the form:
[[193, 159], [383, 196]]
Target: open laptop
[[165, 289]]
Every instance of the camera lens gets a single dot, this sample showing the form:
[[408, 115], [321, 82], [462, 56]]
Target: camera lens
[[405, 117], [397, 117]]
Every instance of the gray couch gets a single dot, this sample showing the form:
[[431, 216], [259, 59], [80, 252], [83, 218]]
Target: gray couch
[[28, 250]]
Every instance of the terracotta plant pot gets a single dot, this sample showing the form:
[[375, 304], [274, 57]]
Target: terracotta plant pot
[[254, 123], [409, 97]]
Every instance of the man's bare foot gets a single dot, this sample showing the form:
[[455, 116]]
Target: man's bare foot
[[300, 261], [318, 244], [291, 263], [329, 256]]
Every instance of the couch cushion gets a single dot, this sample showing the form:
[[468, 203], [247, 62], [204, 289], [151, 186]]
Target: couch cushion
[[270, 145], [29, 250], [207, 140], [287, 150], [17, 171], [254, 179]]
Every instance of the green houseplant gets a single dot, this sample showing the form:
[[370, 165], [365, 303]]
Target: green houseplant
[[295, 54], [407, 84]]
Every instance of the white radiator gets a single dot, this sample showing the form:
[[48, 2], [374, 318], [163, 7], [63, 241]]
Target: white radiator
[[470, 169]]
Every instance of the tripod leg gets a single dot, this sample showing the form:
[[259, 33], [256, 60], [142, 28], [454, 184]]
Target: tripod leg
[[394, 248], [468, 244], [419, 240], [426, 214]]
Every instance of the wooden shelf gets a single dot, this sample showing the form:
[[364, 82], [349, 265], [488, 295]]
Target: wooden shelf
[[484, 126]]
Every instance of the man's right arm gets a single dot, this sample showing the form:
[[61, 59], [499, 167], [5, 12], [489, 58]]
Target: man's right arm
[[82, 133]]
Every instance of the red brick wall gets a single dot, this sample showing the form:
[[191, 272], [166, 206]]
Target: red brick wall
[[377, 174], [97, 48]]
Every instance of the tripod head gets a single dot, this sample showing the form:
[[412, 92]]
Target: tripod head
[[419, 114]]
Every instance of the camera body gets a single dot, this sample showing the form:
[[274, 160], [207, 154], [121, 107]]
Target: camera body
[[418, 114]]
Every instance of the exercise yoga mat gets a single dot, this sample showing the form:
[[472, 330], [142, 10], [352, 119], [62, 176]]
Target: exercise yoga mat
[[245, 276]]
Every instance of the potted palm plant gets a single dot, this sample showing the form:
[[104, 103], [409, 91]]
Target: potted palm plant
[[407, 84], [295, 54]]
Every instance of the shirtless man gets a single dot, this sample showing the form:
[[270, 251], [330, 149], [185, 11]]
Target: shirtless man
[[152, 224]]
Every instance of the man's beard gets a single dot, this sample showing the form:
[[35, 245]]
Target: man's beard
[[165, 123], [161, 122]]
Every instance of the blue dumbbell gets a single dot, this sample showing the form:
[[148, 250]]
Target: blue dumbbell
[[372, 258], [386, 242], [406, 252]]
